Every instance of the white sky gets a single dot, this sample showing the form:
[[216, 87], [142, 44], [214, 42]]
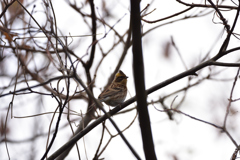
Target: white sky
[[184, 137]]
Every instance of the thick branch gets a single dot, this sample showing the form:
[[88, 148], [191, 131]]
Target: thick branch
[[139, 81]]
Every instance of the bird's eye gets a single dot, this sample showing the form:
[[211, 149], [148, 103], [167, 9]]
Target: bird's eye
[[119, 79]]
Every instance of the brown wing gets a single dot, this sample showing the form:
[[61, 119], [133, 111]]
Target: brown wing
[[110, 91]]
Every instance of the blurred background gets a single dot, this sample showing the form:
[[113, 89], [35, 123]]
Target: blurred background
[[41, 41]]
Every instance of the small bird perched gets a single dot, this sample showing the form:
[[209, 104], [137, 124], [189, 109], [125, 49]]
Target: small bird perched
[[116, 92]]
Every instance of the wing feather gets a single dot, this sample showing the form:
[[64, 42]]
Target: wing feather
[[110, 91]]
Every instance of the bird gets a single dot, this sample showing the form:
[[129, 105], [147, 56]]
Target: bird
[[115, 93]]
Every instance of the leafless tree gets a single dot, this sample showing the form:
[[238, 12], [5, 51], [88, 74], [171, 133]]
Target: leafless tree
[[50, 77]]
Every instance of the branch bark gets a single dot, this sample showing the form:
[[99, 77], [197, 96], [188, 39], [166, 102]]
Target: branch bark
[[139, 81]]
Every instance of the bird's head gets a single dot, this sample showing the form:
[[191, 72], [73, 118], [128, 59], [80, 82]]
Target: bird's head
[[120, 78]]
